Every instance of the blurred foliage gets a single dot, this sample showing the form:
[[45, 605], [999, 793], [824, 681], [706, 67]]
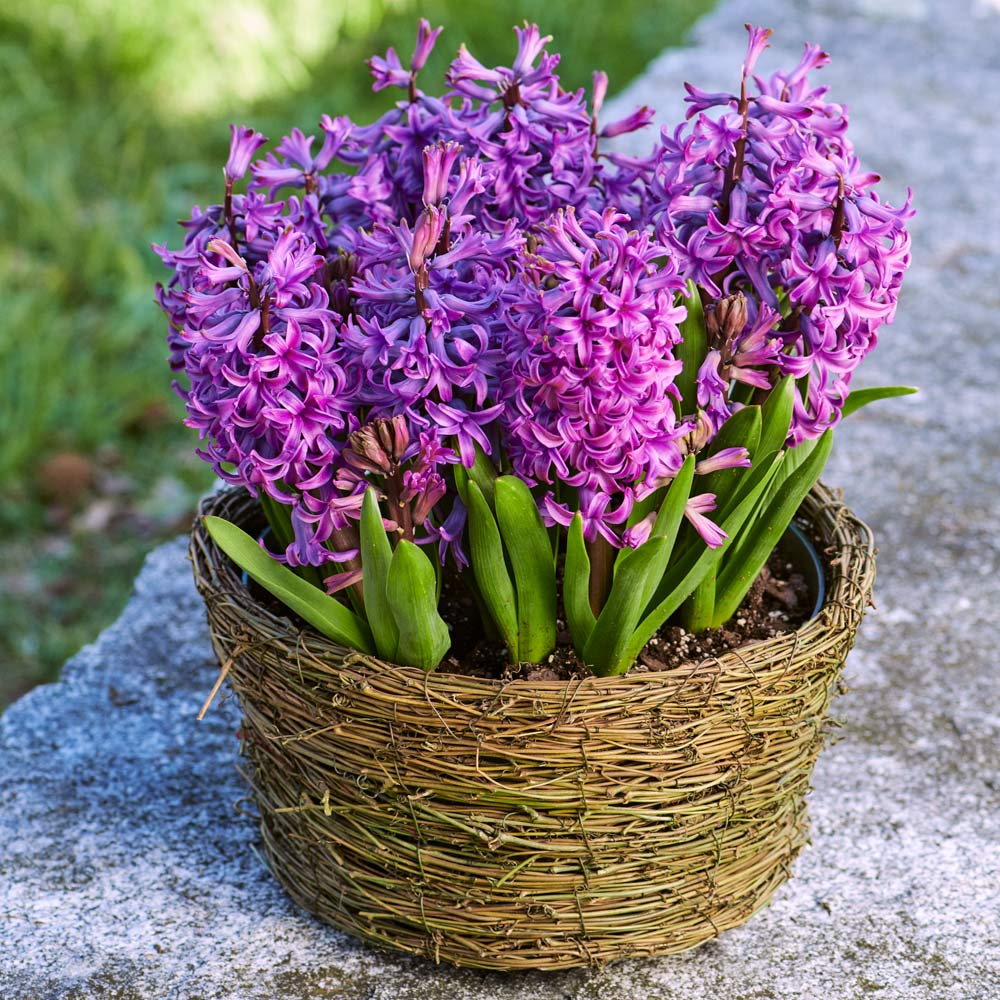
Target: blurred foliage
[[115, 117]]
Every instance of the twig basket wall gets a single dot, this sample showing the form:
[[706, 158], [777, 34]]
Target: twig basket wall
[[532, 824]]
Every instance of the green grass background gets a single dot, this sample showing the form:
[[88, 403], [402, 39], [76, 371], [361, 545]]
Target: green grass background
[[114, 119]]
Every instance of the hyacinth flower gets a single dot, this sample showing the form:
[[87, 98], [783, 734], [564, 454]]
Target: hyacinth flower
[[472, 340]]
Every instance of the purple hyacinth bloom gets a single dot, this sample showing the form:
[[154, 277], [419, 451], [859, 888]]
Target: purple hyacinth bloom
[[426, 37], [474, 269], [589, 391], [756, 44], [765, 196], [243, 145], [695, 510], [438, 163], [388, 71]]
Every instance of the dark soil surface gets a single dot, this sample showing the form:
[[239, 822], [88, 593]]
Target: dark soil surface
[[778, 602]]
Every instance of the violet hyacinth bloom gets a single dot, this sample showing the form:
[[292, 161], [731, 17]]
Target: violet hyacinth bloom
[[767, 197], [244, 144], [535, 136], [479, 267], [588, 393]]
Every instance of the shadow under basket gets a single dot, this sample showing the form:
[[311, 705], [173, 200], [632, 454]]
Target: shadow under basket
[[532, 824]]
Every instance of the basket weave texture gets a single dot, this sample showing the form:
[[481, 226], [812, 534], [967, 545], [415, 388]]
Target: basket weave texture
[[532, 824]]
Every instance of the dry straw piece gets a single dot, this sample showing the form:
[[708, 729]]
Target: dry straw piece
[[532, 824]]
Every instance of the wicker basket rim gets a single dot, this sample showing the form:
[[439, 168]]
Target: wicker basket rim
[[848, 587]]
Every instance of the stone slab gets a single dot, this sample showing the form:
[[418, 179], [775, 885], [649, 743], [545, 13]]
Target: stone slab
[[128, 872]]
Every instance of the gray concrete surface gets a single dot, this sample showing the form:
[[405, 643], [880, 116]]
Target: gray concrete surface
[[125, 872]]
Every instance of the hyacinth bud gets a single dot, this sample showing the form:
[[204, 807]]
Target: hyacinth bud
[[702, 433], [393, 435], [600, 92], [425, 501], [364, 451], [725, 318], [756, 44], [222, 248], [438, 161], [425, 43], [639, 533], [426, 234], [639, 118], [244, 142], [379, 446], [343, 267]]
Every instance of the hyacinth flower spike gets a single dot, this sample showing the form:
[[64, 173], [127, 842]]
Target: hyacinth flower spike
[[469, 340]]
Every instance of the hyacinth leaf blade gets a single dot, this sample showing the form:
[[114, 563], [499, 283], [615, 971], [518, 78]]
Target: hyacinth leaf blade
[[490, 568], [698, 610], [794, 458], [530, 553], [776, 415], [671, 512], [461, 475], [692, 566], [484, 474], [279, 517], [799, 454], [692, 348], [323, 612], [580, 617], [862, 397], [763, 431], [376, 556], [668, 520], [643, 507], [639, 575], [409, 589], [744, 563], [624, 607], [855, 401]]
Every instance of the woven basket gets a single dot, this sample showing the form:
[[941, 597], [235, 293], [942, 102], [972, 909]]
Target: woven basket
[[532, 824]]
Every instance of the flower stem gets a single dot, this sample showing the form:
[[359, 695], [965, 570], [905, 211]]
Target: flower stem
[[602, 565]]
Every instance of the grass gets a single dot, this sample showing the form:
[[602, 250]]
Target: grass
[[113, 131]]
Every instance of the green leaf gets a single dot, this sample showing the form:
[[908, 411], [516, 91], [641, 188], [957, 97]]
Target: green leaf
[[691, 350], [643, 507], [696, 612], [693, 565], [461, 475], [624, 606], [576, 587], [794, 458], [671, 512], [484, 474], [527, 545], [490, 569], [862, 397], [323, 612], [777, 416], [279, 517], [638, 577], [669, 519], [376, 555], [410, 593], [757, 540]]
